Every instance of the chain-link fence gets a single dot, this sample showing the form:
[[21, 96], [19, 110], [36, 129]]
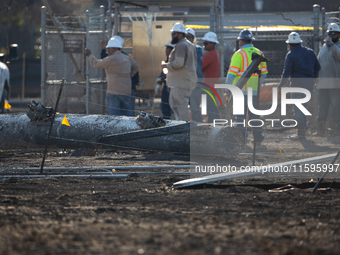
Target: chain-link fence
[[60, 63], [65, 40]]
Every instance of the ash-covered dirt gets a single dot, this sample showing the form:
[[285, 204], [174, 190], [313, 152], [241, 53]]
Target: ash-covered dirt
[[142, 214]]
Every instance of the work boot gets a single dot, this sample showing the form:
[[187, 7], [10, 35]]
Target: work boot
[[301, 135], [320, 128]]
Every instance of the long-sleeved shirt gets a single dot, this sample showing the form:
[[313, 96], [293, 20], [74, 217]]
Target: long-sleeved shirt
[[301, 62], [211, 67], [199, 54], [329, 76], [238, 65], [119, 69], [134, 79], [182, 66]]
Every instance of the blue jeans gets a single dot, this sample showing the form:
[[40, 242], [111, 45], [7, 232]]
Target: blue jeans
[[165, 106], [244, 119], [133, 102], [299, 116], [328, 97], [118, 105]]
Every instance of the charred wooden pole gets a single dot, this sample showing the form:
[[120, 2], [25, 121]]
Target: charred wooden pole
[[99, 131]]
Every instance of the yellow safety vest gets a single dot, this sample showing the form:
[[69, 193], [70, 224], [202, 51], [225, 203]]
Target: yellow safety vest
[[240, 62]]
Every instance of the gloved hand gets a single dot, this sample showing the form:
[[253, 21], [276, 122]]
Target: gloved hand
[[329, 41], [158, 89], [87, 52]]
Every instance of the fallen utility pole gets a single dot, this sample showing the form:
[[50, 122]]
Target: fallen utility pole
[[17, 131]]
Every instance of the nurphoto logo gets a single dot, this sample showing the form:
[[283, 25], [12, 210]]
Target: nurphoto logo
[[239, 109]]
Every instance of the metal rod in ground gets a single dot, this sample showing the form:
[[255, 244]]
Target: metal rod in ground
[[258, 71], [52, 121], [324, 174], [93, 174], [104, 168]]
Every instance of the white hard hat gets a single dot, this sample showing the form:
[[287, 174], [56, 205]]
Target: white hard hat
[[190, 31], [333, 27], [293, 38], [120, 39], [178, 27], [114, 43], [170, 45], [210, 37]]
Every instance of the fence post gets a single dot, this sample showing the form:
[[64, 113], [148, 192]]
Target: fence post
[[102, 92], [323, 20], [109, 19], [316, 39], [221, 37], [87, 62], [116, 19], [212, 18], [43, 54]]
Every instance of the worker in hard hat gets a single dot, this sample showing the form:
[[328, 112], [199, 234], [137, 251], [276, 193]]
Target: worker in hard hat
[[119, 69], [161, 80], [211, 73], [134, 80], [182, 75], [302, 67], [199, 51], [328, 86], [239, 63]]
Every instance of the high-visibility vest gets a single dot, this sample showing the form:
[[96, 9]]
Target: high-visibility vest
[[240, 62]]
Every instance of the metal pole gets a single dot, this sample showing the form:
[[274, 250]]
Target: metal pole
[[87, 62], [216, 16], [212, 18], [102, 92], [323, 20], [43, 55], [316, 39], [109, 18], [222, 41], [258, 107], [116, 19], [23, 76], [51, 126]]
